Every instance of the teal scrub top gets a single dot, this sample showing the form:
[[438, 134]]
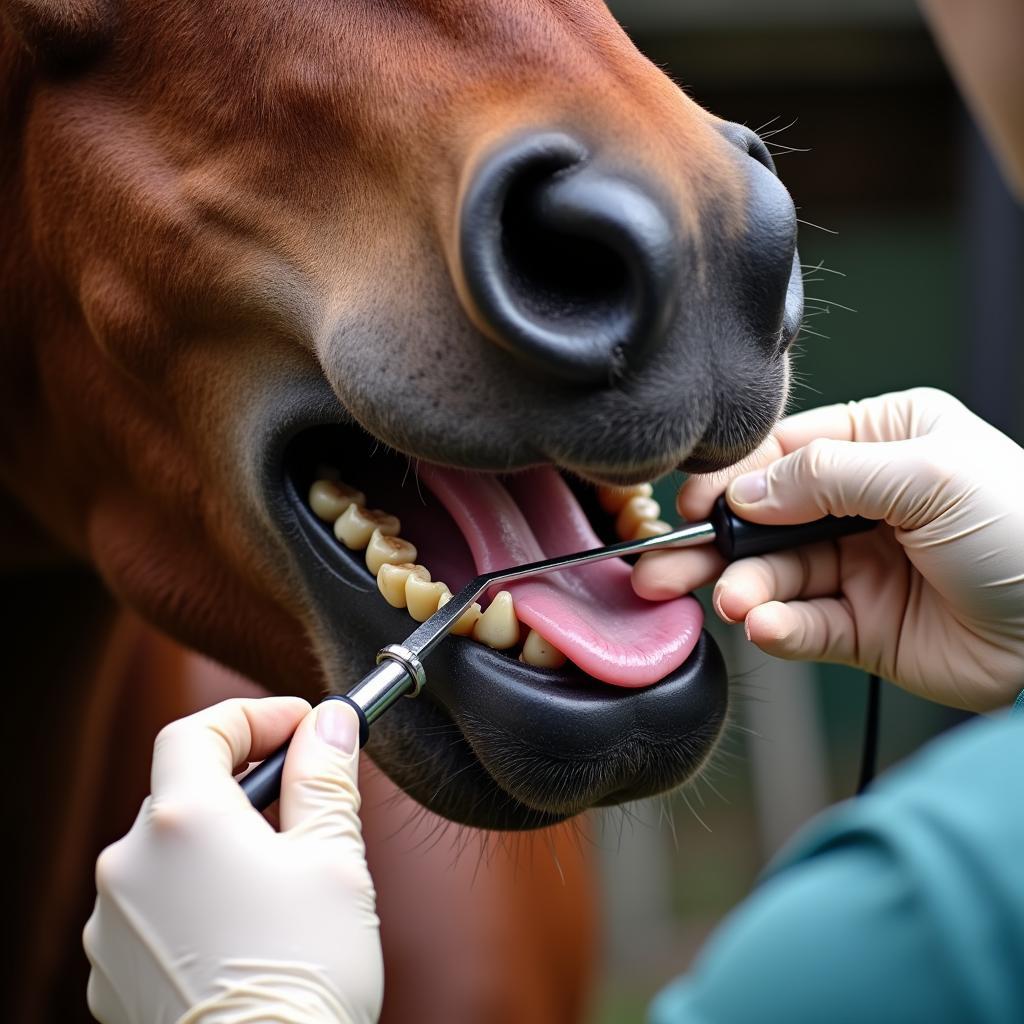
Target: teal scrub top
[[905, 905]]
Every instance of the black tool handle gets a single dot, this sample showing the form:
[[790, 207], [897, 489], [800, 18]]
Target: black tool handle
[[737, 538], [263, 784]]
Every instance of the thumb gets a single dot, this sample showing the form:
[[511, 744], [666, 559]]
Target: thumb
[[319, 792], [888, 480], [818, 630]]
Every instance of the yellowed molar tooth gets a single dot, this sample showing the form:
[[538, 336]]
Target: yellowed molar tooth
[[497, 626], [423, 597], [466, 621], [537, 651], [636, 511], [651, 528], [329, 498], [391, 581], [355, 526], [383, 549], [612, 499]]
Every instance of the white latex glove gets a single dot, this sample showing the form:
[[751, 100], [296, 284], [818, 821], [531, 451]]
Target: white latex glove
[[933, 601], [206, 913]]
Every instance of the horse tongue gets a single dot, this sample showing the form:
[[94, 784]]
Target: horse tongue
[[591, 613]]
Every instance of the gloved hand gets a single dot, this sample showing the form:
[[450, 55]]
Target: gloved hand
[[933, 601], [206, 913]]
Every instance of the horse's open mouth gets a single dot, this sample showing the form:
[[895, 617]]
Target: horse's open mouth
[[382, 540], [436, 528]]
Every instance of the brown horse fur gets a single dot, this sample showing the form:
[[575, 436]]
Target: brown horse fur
[[209, 209]]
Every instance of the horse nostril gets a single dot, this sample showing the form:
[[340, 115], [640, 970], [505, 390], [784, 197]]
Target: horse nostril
[[573, 269], [770, 284], [748, 141]]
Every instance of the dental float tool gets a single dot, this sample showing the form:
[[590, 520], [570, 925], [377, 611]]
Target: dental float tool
[[400, 671]]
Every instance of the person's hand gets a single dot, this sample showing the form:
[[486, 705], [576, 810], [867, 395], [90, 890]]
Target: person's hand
[[206, 913], [933, 601]]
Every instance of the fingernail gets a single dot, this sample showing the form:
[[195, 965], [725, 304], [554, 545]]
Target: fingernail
[[716, 600], [338, 726], [746, 627], [749, 488]]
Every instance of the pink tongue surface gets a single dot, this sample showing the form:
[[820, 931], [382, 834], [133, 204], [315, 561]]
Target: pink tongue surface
[[591, 613]]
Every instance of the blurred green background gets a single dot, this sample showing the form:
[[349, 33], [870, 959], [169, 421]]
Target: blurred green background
[[917, 236]]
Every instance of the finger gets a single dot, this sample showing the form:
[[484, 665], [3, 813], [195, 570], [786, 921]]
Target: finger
[[898, 416], [838, 422], [891, 417], [101, 942], [662, 575], [818, 630], [806, 572], [103, 999], [319, 794], [895, 481], [698, 493], [195, 757]]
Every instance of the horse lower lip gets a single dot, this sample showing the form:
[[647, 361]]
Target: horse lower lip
[[587, 744]]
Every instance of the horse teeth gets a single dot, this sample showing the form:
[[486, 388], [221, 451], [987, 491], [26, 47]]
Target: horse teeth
[[393, 550], [612, 499], [329, 498], [391, 581], [498, 627], [422, 597], [651, 528], [466, 621], [636, 511], [355, 526], [538, 651], [405, 584]]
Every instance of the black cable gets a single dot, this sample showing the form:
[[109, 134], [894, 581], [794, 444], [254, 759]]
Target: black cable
[[869, 754]]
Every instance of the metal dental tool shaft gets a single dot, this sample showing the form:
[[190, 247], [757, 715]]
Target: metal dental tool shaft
[[370, 698], [400, 669]]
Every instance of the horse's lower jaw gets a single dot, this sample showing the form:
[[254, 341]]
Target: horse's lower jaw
[[557, 743], [493, 742]]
